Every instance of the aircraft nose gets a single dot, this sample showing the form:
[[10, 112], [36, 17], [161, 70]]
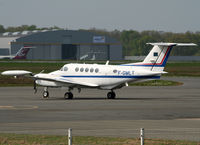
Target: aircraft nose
[[41, 75], [37, 75]]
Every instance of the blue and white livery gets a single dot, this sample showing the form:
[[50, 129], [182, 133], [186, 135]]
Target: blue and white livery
[[108, 77]]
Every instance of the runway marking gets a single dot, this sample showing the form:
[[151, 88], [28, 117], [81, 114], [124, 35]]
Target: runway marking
[[22, 107], [6, 107], [189, 119]]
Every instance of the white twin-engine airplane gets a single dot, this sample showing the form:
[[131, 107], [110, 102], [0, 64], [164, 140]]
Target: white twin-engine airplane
[[107, 77], [21, 54]]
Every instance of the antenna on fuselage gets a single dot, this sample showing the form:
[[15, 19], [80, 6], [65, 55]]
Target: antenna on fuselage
[[107, 62]]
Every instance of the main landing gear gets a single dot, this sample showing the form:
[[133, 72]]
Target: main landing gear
[[68, 95], [111, 95]]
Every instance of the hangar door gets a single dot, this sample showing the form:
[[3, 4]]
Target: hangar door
[[94, 52], [69, 51]]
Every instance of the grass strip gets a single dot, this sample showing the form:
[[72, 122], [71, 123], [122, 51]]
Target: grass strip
[[157, 83], [15, 139]]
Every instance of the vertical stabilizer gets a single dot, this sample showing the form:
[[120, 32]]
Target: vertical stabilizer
[[22, 53], [158, 56]]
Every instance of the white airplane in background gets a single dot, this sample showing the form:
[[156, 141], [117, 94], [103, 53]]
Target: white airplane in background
[[107, 77], [21, 54]]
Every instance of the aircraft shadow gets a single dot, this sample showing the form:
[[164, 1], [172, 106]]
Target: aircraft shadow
[[116, 99]]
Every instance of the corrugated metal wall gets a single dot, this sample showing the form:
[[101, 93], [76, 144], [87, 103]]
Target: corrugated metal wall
[[49, 45], [45, 52], [116, 52]]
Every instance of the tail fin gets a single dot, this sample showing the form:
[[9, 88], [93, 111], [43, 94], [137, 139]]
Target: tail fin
[[21, 54], [158, 56]]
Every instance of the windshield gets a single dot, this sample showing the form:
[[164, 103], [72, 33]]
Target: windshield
[[61, 69]]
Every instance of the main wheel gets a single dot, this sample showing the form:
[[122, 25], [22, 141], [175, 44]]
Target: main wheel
[[111, 95], [45, 94], [68, 95]]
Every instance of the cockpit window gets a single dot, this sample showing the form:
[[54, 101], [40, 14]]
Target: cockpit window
[[65, 68], [61, 69]]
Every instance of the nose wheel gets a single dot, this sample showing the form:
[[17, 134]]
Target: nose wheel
[[111, 95], [45, 94], [68, 95]]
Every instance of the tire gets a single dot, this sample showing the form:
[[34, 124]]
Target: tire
[[45, 94], [68, 95], [111, 95]]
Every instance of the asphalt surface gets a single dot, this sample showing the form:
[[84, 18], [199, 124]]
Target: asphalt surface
[[164, 112]]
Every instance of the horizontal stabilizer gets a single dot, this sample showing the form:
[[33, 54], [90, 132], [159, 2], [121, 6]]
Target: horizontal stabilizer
[[172, 44]]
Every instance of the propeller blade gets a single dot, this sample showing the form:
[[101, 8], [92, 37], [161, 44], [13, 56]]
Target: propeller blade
[[35, 87]]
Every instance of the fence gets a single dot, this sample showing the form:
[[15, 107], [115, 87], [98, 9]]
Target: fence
[[143, 134]]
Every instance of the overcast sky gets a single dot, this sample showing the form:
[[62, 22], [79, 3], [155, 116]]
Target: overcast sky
[[161, 15]]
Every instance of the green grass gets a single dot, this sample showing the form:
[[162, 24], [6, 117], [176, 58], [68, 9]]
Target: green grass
[[157, 83], [17, 139], [9, 81], [191, 69]]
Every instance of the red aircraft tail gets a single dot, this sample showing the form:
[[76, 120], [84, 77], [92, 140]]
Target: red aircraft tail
[[21, 54]]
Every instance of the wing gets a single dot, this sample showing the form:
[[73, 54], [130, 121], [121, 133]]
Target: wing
[[16, 73], [64, 80], [47, 77], [60, 79]]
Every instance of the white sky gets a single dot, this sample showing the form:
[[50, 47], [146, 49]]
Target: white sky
[[161, 15]]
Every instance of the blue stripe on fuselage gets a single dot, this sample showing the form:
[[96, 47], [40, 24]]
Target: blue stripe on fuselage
[[137, 77]]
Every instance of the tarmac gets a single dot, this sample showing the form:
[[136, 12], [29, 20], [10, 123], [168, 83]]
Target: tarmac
[[171, 112]]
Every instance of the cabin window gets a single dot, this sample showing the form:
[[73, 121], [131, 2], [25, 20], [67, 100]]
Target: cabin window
[[87, 69], [82, 69], [76, 69], [114, 71], [91, 70], [96, 70], [65, 68]]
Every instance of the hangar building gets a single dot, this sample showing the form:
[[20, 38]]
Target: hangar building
[[68, 44]]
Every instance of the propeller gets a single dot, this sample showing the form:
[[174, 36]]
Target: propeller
[[34, 83], [35, 86]]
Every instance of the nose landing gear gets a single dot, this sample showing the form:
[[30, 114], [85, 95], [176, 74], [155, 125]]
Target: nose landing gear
[[45, 93]]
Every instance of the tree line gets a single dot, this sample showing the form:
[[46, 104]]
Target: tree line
[[24, 28], [134, 42]]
